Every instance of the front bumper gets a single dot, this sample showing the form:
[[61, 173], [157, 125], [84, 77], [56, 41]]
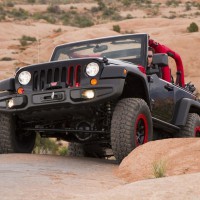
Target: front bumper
[[61, 97]]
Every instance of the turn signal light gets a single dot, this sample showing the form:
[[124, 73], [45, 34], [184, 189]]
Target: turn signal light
[[93, 81], [125, 71], [20, 90]]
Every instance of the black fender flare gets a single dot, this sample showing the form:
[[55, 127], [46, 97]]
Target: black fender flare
[[7, 85], [185, 106]]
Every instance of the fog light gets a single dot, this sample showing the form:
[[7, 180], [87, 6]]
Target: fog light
[[10, 103], [88, 94]]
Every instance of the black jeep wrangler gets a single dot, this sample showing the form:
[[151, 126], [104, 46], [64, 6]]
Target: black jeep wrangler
[[97, 95]]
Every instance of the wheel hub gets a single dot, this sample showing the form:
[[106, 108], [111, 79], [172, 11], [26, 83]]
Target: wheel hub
[[141, 130]]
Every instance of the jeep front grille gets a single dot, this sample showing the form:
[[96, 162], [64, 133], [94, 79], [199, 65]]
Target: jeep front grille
[[57, 78]]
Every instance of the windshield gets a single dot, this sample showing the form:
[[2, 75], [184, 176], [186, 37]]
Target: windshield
[[129, 48]]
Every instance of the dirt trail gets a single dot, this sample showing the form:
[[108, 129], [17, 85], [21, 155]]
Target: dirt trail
[[42, 177]]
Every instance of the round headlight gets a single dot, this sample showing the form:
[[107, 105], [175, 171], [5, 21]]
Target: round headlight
[[24, 77], [92, 69]]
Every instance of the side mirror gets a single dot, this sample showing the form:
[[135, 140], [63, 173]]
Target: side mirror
[[160, 59]]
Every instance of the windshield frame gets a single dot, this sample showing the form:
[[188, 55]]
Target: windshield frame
[[143, 51]]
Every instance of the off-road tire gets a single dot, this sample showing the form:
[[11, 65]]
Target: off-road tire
[[11, 140], [129, 116], [191, 128], [75, 150], [85, 150]]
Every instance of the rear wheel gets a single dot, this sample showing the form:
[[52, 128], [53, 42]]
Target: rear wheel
[[192, 126], [86, 150], [131, 126], [75, 149], [12, 140]]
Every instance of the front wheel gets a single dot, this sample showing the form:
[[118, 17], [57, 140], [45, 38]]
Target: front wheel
[[12, 140], [131, 126]]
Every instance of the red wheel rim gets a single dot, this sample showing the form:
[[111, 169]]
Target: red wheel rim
[[141, 130], [197, 131]]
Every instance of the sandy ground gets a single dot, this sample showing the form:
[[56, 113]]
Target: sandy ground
[[41, 177], [45, 177]]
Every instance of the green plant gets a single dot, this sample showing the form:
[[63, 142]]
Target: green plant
[[45, 146], [31, 1], [83, 21], [116, 28], [2, 13], [54, 9], [19, 14], [63, 151], [129, 16], [101, 5], [193, 27], [159, 169], [173, 3], [10, 4], [46, 16], [127, 2], [25, 40], [187, 7], [6, 59]]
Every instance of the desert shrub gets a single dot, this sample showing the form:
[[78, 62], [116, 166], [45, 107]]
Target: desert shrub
[[197, 13], [173, 16], [159, 169], [43, 1], [101, 5], [73, 7], [187, 6], [183, 16], [48, 17], [31, 1], [54, 9], [62, 151], [83, 21], [25, 40], [10, 4], [2, 13], [116, 28], [193, 27], [174, 3], [6, 59], [117, 17], [45, 146], [19, 14], [127, 2], [73, 18], [155, 11], [129, 16], [108, 12]]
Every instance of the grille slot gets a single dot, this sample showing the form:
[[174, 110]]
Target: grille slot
[[70, 76], [57, 77], [49, 76]]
